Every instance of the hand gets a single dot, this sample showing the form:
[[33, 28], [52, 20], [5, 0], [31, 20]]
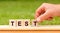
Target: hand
[[47, 11]]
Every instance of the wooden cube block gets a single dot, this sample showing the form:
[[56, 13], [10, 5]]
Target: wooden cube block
[[34, 22], [12, 23], [19, 22], [26, 22]]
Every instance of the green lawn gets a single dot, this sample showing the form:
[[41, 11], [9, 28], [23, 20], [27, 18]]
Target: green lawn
[[23, 10]]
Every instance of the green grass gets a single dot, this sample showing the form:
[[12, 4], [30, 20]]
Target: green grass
[[23, 10]]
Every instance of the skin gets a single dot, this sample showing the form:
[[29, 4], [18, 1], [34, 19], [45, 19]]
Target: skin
[[47, 11]]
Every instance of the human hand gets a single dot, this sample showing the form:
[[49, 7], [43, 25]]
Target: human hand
[[47, 11]]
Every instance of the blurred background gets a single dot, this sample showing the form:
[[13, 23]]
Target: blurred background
[[23, 9]]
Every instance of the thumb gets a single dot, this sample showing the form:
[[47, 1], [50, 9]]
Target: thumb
[[43, 16]]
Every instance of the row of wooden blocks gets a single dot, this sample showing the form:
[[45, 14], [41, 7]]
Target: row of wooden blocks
[[22, 22]]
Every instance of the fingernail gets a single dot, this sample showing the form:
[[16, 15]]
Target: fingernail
[[38, 19]]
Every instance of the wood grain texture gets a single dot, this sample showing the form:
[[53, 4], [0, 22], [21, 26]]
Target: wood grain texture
[[29, 31]]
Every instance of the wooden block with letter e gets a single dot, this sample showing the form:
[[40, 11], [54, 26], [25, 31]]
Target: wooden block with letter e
[[19, 22]]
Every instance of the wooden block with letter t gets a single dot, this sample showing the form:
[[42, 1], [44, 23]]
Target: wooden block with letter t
[[12, 23], [34, 22]]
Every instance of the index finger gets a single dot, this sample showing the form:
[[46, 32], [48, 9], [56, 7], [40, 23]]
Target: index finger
[[39, 11]]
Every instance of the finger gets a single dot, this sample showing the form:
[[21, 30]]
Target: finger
[[39, 11], [50, 18], [43, 17]]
